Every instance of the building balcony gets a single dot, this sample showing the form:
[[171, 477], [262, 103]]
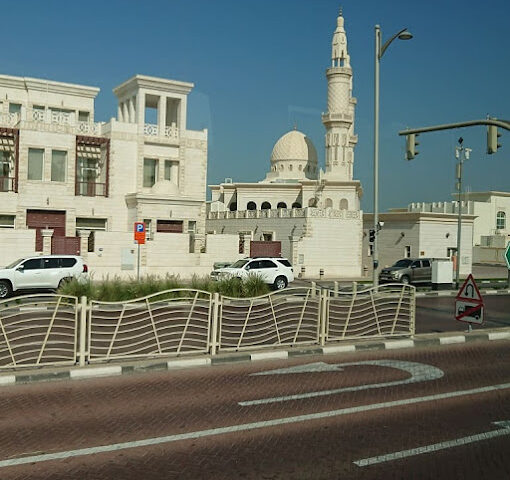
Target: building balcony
[[50, 121], [167, 132], [91, 189], [7, 184]]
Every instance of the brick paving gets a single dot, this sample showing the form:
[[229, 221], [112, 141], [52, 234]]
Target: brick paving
[[61, 416]]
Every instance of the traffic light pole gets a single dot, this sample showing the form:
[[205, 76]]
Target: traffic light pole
[[505, 124]]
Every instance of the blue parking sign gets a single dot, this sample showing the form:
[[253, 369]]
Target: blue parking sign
[[140, 227]]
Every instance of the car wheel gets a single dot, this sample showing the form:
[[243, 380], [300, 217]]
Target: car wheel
[[63, 282], [5, 289], [405, 280], [280, 283]]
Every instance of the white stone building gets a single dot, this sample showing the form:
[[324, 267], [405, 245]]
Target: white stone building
[[415, 234], [69, 184], [315, 214], [491, 229]]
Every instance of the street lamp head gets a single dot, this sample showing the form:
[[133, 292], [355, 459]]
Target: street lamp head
[[405, 35]]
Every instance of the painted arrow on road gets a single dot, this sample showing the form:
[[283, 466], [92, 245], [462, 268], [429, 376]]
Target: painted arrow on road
[[419, 372], [438, 446]]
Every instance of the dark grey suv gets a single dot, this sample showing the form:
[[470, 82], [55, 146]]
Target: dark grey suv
[[408, 270]]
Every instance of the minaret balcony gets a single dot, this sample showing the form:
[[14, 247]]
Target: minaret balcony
[[337, 118]]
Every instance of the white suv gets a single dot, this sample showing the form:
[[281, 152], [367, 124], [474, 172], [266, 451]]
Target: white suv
[[274, 271], [41, 272]]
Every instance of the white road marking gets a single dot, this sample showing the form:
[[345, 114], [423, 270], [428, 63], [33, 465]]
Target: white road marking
[[437, 446], [452, 340], [419, 372], [245, 427]]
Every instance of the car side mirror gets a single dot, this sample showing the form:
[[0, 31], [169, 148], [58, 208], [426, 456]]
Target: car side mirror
[[414, 266], [21, 268]]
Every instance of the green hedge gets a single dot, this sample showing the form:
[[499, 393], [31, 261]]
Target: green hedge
[[116, 289]]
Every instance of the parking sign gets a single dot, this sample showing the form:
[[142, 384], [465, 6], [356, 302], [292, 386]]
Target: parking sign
[[140, 233]]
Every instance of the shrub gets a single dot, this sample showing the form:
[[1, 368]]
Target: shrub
[[116, 289]]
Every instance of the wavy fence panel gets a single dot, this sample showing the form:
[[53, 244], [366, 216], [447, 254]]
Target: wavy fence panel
[[388, 310], [287, 317], [38, 330], [170, 322]]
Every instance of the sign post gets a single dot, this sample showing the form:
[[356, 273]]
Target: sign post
[[507, 260], [140, 240], [469, 303]]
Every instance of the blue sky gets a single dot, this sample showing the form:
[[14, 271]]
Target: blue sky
[[259, 68]]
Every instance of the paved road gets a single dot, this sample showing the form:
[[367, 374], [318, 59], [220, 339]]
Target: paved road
[[421, 414], [436, 314]]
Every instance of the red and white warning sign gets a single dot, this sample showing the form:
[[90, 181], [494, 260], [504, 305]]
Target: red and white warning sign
[[469, 302]]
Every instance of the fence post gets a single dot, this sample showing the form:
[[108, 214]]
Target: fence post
[[83, 331], [335, 289], [214, 326], [324, 315], [314, 288], [354, 287]]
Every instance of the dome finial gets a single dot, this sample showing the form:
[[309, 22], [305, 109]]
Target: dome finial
[[295, 125], [340, 11]]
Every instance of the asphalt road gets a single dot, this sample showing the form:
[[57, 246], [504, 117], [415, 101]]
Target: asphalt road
[[436, 314], [420, 414]]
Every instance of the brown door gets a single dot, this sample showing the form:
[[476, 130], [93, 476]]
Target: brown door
[[65, 245], [42, 219], [265, 249]]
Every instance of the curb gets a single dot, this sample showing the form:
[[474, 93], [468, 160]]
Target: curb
[[89, 372], [453, 293]]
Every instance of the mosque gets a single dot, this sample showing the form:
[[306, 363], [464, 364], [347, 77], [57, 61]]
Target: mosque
[[313, 214]]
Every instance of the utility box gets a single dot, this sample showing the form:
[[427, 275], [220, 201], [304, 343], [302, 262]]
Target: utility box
[[442, 274]]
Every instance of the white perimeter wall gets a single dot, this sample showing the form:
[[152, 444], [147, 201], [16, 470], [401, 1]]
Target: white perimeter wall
[[15, 244]]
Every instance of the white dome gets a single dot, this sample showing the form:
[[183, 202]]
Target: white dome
[[294, 145]]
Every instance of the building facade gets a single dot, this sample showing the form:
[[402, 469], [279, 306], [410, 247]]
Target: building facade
[[491, 229], [407, 234], [314, 213], [70, 184]]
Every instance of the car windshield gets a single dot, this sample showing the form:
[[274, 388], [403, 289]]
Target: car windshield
[[403, 263], [239, 264], [13, 264]]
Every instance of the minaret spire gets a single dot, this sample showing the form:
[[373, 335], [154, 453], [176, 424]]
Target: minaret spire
[[339, 55], [339, 119]]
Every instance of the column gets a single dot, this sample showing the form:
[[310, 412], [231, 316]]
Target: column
[[174, 172], [132, 110], [120, 117], [140, 108], [47, 235], [162, 115], [84, 242], [125, 111]]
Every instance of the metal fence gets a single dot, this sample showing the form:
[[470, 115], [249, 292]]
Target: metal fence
[[165, 323], [53, 329], [38, 330], [283, 318], [384, 311]]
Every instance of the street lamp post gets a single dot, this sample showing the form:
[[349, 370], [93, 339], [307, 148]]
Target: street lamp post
[[379, 52], [462, 154]]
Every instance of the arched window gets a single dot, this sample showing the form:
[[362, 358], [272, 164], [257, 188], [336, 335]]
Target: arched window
[[329, 203], [233, 207], [300, 167], [281, 205], [344, 204], [501, 220], [281, 166], [312, 202], [265, 206], [290, 167], [296, 205], [251, 206]]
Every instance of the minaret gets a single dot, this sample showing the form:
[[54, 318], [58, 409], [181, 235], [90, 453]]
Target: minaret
[[339, 119]]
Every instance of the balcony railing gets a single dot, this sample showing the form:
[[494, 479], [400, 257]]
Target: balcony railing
[[91, 189], [9, 119], [48, 120], [156, 131], [6, 184]]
